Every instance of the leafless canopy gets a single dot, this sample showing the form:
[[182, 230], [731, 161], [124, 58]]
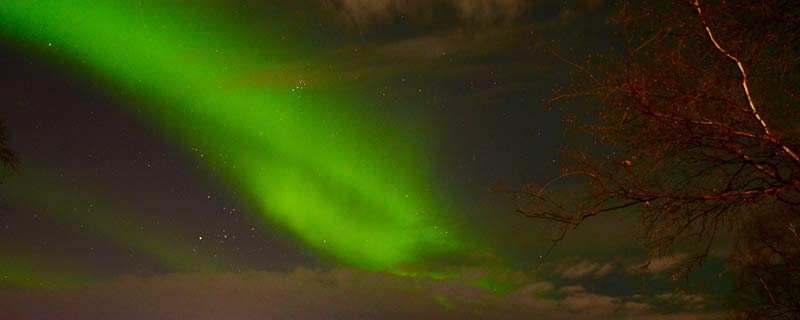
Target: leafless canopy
[[698, 120]]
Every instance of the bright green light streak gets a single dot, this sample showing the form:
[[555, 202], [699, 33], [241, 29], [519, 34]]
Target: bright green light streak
[[348, 183]]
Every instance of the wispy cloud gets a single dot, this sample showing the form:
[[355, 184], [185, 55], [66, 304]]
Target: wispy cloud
[[364, 13], [575, 268], [314, 294], [658, 265], [587, 268]]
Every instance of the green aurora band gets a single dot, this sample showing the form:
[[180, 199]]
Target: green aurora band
[[314, 160], [82, 204], [19, 269]]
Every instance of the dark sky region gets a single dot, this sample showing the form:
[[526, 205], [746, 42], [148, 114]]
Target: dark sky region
[[325, 159]]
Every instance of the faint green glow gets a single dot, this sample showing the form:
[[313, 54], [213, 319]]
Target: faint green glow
[[312, 159], [498, 282], [436, 275], [93, 211], [14, 274], [444, 302], [23, 270]]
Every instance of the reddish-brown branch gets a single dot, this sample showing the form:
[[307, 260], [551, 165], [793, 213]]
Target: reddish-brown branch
[[745, 86]]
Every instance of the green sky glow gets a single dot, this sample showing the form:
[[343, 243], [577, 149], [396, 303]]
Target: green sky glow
[[81, 204], [312, 159], [22, 270]]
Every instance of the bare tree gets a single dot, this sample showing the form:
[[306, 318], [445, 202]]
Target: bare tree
[[7, 156], [696, 124], [767, 257]]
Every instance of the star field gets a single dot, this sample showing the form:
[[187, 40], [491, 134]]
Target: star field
[[256, 155]]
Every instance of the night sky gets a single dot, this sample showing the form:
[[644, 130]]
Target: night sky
[[305, 159]]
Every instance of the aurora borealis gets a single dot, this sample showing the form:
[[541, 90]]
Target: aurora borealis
[[307, 161], [288, 150]]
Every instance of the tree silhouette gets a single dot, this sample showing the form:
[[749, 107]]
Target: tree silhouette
[[767, 257], [695, 124], [7, 157]]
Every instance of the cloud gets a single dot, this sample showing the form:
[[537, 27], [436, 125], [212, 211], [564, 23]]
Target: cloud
[[684, 301], [537, 288], [604, 270], [585, 303], [579, 270], [657, 265], [587, 268], [363, 13], [575, 268], [573, 289], [315, 294], [485, 10]]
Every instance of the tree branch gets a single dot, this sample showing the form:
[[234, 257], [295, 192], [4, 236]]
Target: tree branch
[[745, 87]]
